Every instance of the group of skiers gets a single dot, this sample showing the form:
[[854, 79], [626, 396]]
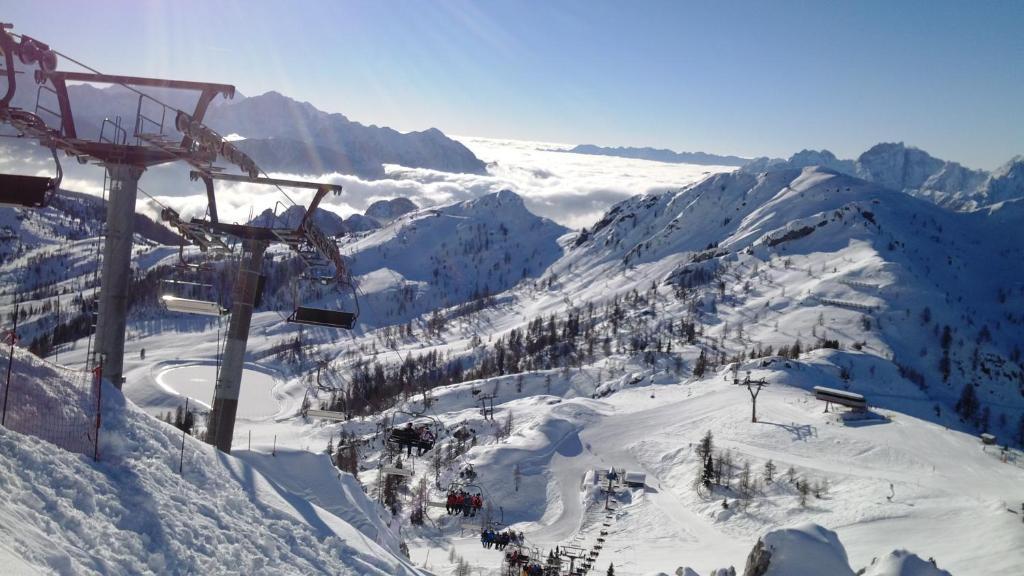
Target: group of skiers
[[533, 569], [421, 437], [530, 568], [462, 502], [498, 540]]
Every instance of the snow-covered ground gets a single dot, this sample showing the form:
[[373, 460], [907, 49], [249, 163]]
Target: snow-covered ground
[[133, 513], [951, 496], [749, 261]]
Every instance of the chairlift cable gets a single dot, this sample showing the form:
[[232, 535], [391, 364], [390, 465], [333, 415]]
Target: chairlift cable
[[148, 195]]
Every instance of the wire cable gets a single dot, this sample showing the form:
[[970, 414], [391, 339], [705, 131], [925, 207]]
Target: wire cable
[[158, 101]]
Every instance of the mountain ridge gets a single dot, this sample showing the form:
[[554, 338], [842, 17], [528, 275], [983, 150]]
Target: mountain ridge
[[658, 155], [914, 171]]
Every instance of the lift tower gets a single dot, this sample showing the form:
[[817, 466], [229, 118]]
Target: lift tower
[[125, 155], [319, 253]]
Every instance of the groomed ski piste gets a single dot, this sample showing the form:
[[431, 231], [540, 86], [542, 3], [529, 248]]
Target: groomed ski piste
[[904, 478]]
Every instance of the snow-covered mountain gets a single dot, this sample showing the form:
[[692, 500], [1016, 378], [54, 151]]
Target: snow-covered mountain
[[900, 167], [284, 135], [281, 134], [860, 247], [388, 210], [445, 255]]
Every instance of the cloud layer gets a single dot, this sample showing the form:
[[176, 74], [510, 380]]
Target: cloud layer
[[571, 189]]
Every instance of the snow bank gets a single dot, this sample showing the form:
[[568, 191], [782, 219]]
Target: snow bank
[[804, 550], [903, 563], [132, 513], [809, 549]]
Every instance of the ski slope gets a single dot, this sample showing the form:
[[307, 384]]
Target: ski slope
[[951, 496]]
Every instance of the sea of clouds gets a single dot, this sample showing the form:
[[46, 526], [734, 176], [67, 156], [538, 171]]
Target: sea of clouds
[[571, 189]]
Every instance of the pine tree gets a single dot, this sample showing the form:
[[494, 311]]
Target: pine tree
[[967, 405], [705, 450], [791, 474], [702, 364], [769, 472], [611, 570], [745, 479]]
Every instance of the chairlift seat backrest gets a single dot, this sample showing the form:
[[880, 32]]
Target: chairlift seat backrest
[[189, 306], [323, 317], [25, 191]]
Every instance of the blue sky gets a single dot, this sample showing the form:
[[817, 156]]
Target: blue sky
[[748, 78]]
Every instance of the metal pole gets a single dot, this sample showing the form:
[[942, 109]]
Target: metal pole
[[117, 268], [273, 451], [10, 365], [98, 375], [56, 347], [229, 384], [181, 460]]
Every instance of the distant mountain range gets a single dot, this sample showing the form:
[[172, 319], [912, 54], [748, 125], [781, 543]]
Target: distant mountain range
[[281, 134], [914, 171], [376, 215], [660, 155], [285, 135]]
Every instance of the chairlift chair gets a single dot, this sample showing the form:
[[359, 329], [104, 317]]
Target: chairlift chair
[[20, 191], [174, 302], [467, 487], [398, 434], [325, 317]]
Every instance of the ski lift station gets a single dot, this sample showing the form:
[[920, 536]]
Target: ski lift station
[[841, 397], [619, 478]]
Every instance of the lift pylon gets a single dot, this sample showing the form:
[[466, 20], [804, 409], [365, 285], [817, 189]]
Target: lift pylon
[[124, 155]]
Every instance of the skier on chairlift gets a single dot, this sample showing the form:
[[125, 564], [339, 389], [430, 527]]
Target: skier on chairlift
[[407, 435], [426, 438]]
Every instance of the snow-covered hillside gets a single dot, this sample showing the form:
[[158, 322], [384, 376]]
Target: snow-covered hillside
[[816, 255], [133, 513], [443, 256]]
